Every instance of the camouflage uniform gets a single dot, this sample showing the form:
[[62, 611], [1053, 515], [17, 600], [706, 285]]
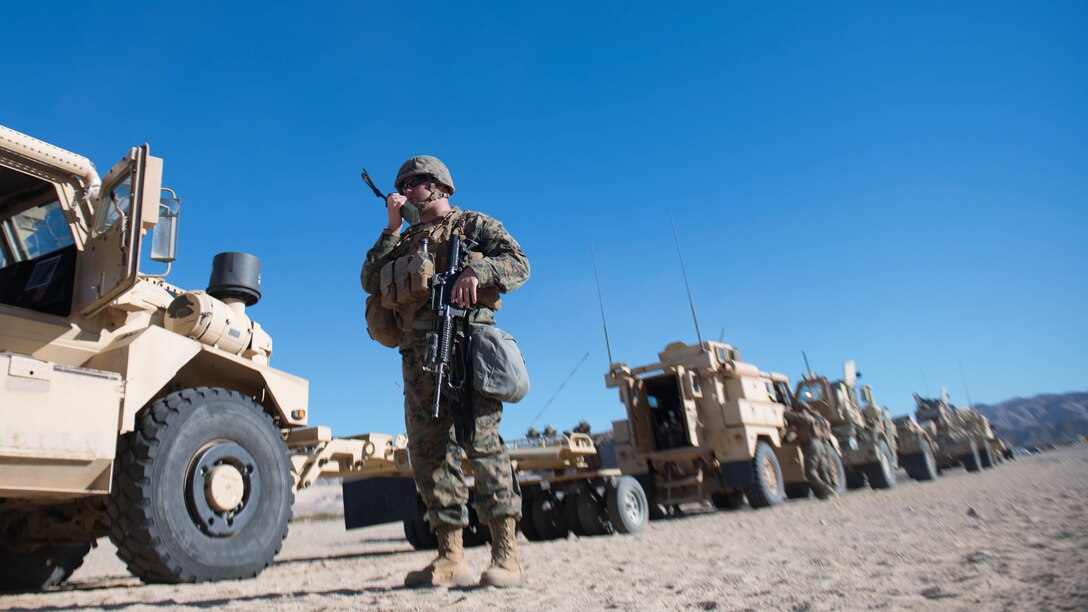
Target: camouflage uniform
[[436, 456], [814, 433]]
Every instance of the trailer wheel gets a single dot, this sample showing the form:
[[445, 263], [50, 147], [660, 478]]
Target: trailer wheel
[[548, 517], [727, 501], [768, 488], [44, 567], [971, 461], [628, 508], [476, 534], [881, 473], [922, 465], [202, 489], [569, 508], [593, 511], [526, 522]]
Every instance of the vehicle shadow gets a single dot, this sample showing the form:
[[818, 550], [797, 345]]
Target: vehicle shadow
[[171, 601]]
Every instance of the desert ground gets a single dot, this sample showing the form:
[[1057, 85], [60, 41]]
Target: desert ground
[[1009, 538]]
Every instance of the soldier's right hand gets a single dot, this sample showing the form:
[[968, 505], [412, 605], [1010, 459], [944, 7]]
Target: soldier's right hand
[[393, 202]]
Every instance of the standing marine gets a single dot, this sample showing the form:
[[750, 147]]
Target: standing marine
[[395, 271]]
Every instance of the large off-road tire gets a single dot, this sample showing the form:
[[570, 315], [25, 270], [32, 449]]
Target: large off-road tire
[[202, 489], [418, 531], [569, 508], [922, 465], [44, 567], [971, 461], [727, 501], [768, 487], [840, 469], [881, 473], [798, 491], [985, 456], [628, 508]]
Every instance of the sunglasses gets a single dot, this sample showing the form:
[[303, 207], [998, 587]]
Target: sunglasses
[[415, 181]]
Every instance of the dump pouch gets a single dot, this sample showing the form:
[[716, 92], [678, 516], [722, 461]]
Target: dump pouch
[[498, 367], [381, 325]]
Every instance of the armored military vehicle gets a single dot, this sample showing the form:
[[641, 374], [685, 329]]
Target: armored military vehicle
[[917, 448], [961, 435], [702, 424], [864, 430], [991, 448], [130, 407]]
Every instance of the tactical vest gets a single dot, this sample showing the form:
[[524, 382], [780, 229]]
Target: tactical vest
[[406, 278]]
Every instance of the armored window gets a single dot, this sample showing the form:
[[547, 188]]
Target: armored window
[[114, 205]]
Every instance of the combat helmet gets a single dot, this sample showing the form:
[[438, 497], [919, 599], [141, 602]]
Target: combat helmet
[[424, 164]]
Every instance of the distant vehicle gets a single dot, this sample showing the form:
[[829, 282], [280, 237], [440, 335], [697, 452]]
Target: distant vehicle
[[702, 424]]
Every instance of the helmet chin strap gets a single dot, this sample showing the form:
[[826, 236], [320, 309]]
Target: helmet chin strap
[[437, 193]]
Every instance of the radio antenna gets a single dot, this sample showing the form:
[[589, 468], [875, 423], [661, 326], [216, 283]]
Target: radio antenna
[[808, 368], [721, 336], [925, 381], [684, 272], [600, 300], [561, 385], [966, 391]]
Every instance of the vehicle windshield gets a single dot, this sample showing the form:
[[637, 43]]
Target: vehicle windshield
[[811, 392], [34, 232]]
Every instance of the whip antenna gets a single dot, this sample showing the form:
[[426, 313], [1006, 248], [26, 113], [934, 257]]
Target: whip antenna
[[925, 381], [807, 367], [965, 389], [684, 272], [561, 385], [600, 300]]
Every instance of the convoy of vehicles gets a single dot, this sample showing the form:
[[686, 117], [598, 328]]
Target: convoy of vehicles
[[138, 410]]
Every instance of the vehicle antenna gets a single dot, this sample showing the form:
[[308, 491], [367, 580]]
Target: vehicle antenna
[[561, 385], [600, 300], [691, 302], [721, 336], [966, 391], [925, 381], [808, 368]]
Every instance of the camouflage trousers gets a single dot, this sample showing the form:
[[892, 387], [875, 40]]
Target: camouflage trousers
[[436, 456], [820, 468]]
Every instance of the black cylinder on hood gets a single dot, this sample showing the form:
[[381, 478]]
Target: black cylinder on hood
[[236, 275]]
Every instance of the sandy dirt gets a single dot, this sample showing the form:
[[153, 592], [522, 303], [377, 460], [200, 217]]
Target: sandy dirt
[[1010, 538]]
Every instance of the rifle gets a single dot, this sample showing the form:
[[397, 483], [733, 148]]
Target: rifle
[[440, 351], [408, 212]]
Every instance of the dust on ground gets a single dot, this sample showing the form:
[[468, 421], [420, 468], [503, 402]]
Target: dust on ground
[[1009, 538]]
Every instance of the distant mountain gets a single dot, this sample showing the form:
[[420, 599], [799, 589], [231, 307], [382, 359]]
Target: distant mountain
[[1040, 420]]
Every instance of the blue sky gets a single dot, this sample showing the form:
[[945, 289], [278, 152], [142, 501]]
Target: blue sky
[[901, 184]]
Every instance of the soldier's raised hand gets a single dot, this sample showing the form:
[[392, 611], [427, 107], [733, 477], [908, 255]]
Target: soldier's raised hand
[[393, 202]]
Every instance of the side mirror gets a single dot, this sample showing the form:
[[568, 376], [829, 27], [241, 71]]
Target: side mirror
[[164, 238]]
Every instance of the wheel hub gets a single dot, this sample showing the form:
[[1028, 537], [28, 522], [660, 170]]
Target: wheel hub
[[632, 506], [770, 476], [222, 488]]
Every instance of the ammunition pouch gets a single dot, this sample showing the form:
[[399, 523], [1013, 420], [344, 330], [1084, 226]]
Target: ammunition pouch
[[406, 280], [381, 324], [498, 367]]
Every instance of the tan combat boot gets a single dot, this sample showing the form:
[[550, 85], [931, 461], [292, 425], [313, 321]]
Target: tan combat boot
[[505, 570], [449, 569]]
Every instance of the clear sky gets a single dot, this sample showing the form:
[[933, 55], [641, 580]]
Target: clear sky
[[902, 184]]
